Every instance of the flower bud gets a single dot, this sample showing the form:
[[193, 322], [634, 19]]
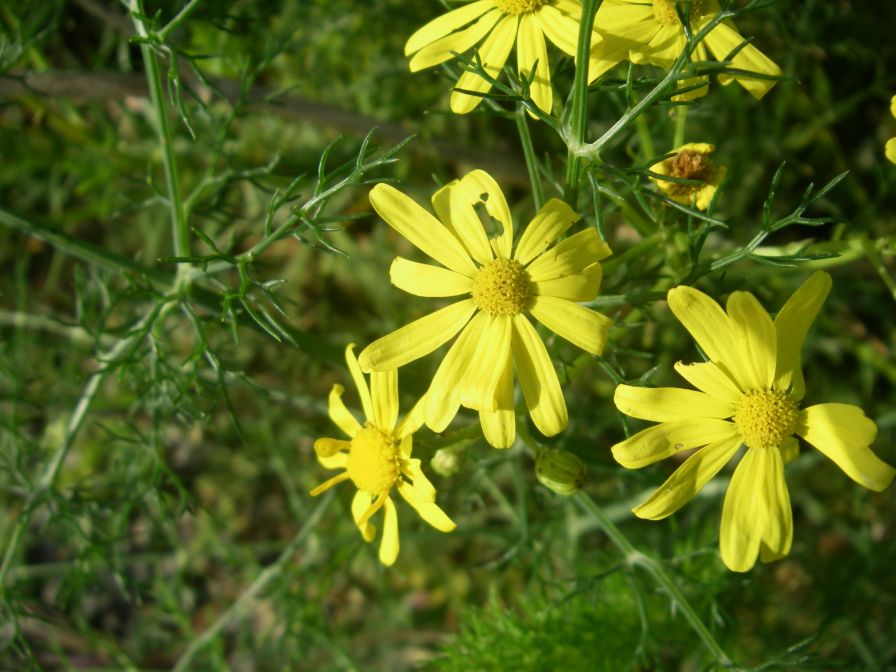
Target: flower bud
[[446, 461], [560, 471]]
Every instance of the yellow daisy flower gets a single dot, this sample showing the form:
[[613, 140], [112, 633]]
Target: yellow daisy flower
[[378, 457], [691, 162], [501, 285], [749, 394], [498, 25], [891, 143], [655, 35]]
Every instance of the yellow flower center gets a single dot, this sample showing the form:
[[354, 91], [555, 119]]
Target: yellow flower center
[[664, 11], [765, 418], [689, 165], [373, 461], [519, 6], [502, 287]]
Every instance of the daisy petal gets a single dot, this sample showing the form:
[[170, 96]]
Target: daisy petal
[[723, 40], [666, 45], [384, 394], [429, 511], [443, 397], [842, 433], [710, 327], [580, 326], [340, 414], [531, 52], [464, 197], [360, 382], [360, 504], [499, 426], [744, 517], [582, 286], [791, 325], [669, 438], [541, 388], [890, 149], [326, 485], [560, 29], [493, 54], [445, 24], [426, 280], [412, 421], [778, 533], [549, 223], [569, 256], [484, 371], [479, 186], [423, 230], [662, 404], [326, 447], [709, 378], [688, 479], [337, 461], [458, 42], [756, 340], [417, 339], [389, 542], [422, 485]]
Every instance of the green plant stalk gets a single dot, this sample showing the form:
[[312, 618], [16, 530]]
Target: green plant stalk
[[681, 124], [579, 115], [180, 229], [72, 428], [244, 604], [637, 559], [522, 125], [178, 19]]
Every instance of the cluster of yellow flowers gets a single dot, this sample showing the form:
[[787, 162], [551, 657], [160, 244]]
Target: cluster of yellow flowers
[[748, 392]]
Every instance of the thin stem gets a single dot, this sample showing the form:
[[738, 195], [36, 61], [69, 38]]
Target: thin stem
[[522, 125], [244, 604], [579, 116], [180, 230], [72, 428], [681, 123], [180, 18], [635, 558]]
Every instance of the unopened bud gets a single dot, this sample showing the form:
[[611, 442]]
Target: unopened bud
[[446, 461], [560, 471]]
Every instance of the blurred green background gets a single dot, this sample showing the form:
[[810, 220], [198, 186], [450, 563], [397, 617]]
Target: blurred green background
[[192, 468]]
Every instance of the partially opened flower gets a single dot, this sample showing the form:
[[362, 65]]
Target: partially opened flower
[[749, 395], [891, 143], [654, 34], [473, 242], [690, 162], [496, 25], [377, 458]]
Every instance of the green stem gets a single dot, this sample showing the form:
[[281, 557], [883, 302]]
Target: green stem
[[681, 123], [244, 604], [180, 230], [48, 479], [637, 559], [647, 151], [180, 18], [522, 125], [579, 116]]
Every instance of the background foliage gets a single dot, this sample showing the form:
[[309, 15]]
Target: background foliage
[[132, 526]]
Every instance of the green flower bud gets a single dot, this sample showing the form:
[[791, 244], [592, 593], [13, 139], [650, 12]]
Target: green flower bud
[[446, 461], [560, 471]]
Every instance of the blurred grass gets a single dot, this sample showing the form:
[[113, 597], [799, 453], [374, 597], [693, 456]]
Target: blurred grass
[[181, 488]]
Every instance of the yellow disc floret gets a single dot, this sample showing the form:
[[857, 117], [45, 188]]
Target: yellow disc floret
[[765, 418], [373, 461], [502, 287], [665, 13], [519, 6]]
